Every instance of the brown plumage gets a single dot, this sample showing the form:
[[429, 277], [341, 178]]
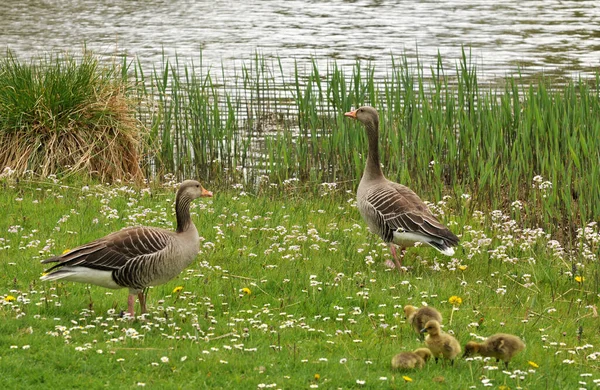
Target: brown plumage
[[417, 318], [500, 346], [135, 257], [440, 343], [391, 210], [411, 360]]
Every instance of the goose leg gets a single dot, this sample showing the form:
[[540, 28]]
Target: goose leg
[[131, 305], [397, 262], [142, 298]]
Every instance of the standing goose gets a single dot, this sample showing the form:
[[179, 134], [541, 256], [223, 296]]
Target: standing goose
[[135, 257], [391, 210]]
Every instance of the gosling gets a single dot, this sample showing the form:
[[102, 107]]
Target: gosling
[[419, 317], [411, 360], [500, 346], [440, 343]]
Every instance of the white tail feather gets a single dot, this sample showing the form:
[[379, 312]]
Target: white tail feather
[[83, 275]]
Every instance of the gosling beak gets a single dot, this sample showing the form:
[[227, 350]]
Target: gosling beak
[[351, 114], [206, 193], [424, 330]]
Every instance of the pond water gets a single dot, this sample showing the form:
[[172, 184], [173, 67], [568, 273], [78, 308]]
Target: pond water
[[552, 36]]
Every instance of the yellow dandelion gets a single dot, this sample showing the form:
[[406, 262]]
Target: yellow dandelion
[[579, 279], [407, 378], [177, 289], [246, 291], [533, 364], [455, 300], [9, 298], [462, 267], [66, 251], [317, 377], [503, 387]]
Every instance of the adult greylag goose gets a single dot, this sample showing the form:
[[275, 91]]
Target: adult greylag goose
[[500, 346], [417, 318], [440, 343], [411, 360], [391, 210], [135, 257]]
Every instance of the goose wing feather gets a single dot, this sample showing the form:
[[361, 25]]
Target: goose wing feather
[[115, 250]]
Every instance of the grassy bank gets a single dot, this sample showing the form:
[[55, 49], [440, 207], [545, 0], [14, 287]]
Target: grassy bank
[[289, 291]]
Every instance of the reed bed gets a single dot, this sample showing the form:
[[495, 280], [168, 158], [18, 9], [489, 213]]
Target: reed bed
[[442, 132]]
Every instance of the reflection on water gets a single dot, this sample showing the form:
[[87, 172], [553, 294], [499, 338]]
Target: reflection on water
[[548, 35]]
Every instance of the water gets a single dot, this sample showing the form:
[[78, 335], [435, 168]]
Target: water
[[550, 36]]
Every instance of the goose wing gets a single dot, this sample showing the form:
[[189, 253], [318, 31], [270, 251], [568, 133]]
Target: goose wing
[[115, 250], [398, 208]]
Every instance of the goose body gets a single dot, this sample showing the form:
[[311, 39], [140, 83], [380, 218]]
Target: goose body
[[500, 346], [411, 360], [417, 318], [135, 257], [391, 210], [440, 343]]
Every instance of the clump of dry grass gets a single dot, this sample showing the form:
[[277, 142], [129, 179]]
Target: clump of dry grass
[[61, 115]]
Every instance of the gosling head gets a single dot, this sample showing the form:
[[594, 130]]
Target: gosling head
[[432, 327], [424, 353], [408, 310], [471, 348], [366, 115]]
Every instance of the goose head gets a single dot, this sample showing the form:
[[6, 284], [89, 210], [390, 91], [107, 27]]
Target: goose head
[[368, 116], [192, 189]]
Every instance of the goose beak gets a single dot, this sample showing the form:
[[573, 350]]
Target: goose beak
[[424, 330], [351, 114], [206, 193]]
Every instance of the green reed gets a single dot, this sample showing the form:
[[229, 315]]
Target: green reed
[[442, 131]]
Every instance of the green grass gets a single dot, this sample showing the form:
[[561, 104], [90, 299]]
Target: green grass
[[321, 301]]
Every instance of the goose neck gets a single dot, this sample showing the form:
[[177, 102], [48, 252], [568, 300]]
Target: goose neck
[[182, 212], [373, 167]]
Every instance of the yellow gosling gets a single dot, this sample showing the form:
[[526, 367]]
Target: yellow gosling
[[440, 343], [500, 346], [417, 318], [411, 360]]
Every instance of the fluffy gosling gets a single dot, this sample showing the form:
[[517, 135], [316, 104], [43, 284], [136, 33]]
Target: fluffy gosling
[[411, 360], [417, 318], [500, 346], [440, 343]]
